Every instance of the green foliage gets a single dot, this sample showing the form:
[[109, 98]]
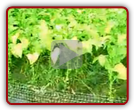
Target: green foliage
[[101, 31]]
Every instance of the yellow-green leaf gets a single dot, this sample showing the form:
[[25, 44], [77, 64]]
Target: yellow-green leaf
[[95, 59], [121, 38], [44, 35], [79, 11], [122, 72], [32, 57], [43, 28], [17, 49], [93, 32], [14, 38], [25, 43], [96, 42], [104, 39], [74, 38], [72, 21], [87, 46], [109, 27], [102, 59]]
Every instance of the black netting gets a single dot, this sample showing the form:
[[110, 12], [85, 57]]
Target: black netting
[[26, 94]]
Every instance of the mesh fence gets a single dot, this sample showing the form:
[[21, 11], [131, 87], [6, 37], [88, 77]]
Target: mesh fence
[[18, 93]]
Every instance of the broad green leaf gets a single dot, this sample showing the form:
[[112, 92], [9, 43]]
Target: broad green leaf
[[72, 20], [97, 43], [79, 11], [25, 43], [102, 59], [17, 49], [58, 37], [45, 35], [95, 59], [44, 29], [32, 57], [74, 38], [14, 38], [37, 47], [87, 46], [104, 39], [122, 38], [93, 32], [109, 27], [122, 72]]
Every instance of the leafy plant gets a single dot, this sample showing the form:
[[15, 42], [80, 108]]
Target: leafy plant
[[102, 33]]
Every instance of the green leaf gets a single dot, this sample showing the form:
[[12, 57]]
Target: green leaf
[[32, 57], [17, 50], [25, 43], [44, 36], [122, 71], [122, 39], [95, 59], [14, 38], [87, 46], [102, 59]]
